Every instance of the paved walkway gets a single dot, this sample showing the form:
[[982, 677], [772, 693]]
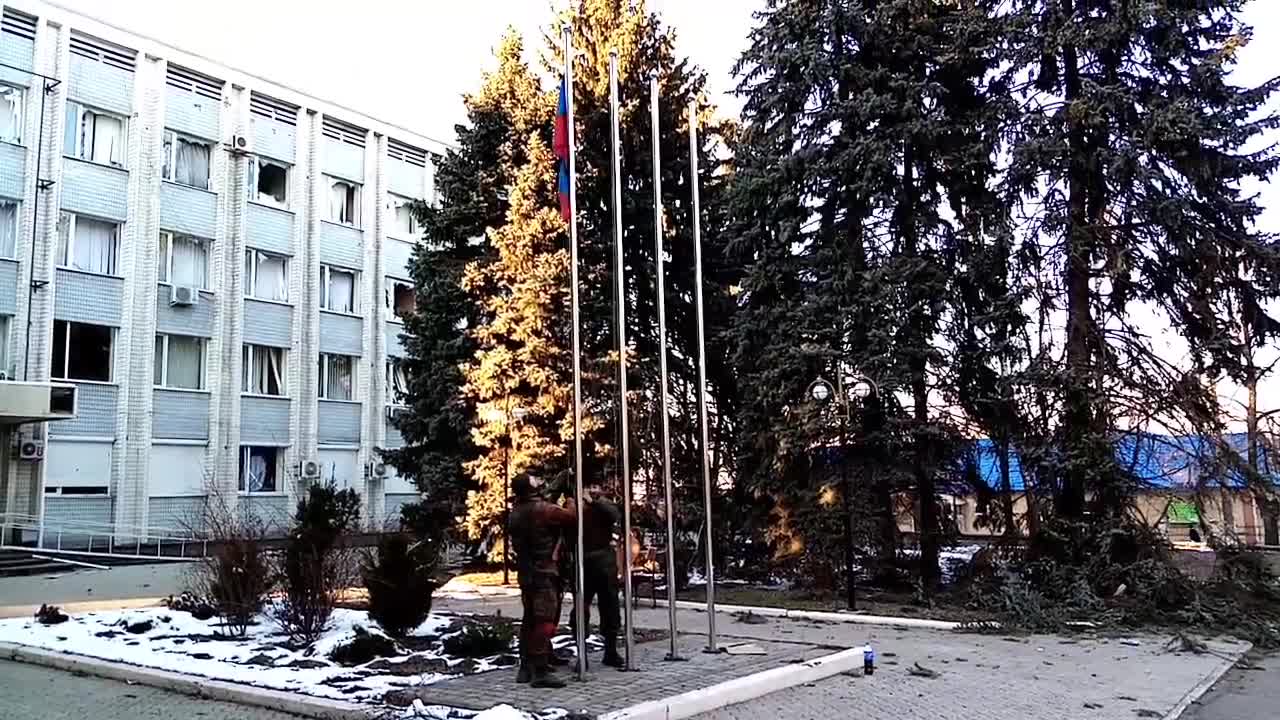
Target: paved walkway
[[28, 692]]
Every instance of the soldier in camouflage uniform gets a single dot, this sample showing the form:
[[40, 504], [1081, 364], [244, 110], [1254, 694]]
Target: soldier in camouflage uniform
[[536, 529]]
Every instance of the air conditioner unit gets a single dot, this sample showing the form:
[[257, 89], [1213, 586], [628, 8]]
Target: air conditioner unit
[[31, 450], [376, 469], [396, 411], [309, 469], [184, 295], [240, 144]]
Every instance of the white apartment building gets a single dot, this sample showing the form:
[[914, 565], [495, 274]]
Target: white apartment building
[[214, 261]]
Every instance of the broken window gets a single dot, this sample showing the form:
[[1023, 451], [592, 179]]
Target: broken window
[[186, 160], [87, 244], [397, 382], [8, 228], [269, 182], [11, 114], [259, 468], [262, 371], [183, 260], [401, 299], [405, 222], [266, 276], [337, 289], [344, 202], [179, 362], [81, 351], [95, 136], [337, 377]]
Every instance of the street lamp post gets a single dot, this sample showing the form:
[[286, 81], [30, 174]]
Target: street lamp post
[[821, 391]]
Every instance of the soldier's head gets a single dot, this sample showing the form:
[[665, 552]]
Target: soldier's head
[[526, 486]]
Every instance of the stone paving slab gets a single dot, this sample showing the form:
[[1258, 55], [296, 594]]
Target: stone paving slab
[[607, 689]]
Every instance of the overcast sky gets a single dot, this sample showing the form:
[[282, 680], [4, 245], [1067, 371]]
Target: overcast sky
[[408, 62]]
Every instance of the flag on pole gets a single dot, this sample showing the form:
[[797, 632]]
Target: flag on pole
[[561, 147]]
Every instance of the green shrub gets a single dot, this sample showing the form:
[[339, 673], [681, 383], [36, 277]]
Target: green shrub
[[478, 640], [315, 569], [399, 578], [364, 647]]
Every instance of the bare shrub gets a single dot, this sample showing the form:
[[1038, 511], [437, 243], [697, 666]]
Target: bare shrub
[[315, 569], [235, 576]]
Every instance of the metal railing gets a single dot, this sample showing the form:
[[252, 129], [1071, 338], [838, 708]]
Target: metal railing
[[80, 537]]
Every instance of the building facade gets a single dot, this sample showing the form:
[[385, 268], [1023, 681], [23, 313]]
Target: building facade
[[216, 262]]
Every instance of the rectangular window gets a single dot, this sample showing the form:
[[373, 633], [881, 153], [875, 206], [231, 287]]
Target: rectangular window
[[397, 383], [262, 370], [179, 362], [337, 289], [259, 468], [77, 468], [81, 351], [87, 244], [337, 377], [266, 276], [186, 160], [344, 202], [405, 220], [11, 114], [400, 298], [95, 136], [183, 260], [269, 182], [8, 229], [5, 370]]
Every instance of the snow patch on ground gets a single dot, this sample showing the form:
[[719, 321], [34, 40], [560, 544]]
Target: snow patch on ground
[[177, 642]]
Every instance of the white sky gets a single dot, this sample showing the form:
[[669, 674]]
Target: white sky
[[408, 62]]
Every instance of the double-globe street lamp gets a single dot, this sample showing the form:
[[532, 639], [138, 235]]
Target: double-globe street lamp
[[848, 387]]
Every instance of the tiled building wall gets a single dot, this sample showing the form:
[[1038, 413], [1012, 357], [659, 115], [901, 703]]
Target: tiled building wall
[[136, 78]]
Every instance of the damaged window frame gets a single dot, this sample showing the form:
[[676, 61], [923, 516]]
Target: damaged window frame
[[255, 193]]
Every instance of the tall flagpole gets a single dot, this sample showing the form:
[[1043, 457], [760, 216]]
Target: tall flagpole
[[580, 626], [662, 362], [702, 374], [624, 430]]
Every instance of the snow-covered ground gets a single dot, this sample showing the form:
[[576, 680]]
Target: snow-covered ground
[[178, 642]]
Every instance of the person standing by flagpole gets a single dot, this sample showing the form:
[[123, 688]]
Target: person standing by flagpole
[[564, 149]]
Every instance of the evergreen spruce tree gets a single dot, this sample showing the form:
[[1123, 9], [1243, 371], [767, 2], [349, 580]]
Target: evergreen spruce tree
[[865, 119], [647, 46], [470, 189], [520, 378], [1130, 162]]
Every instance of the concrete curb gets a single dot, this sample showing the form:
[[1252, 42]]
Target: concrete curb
[[739, 690], [1205, 684], [189, 684], [853, 618]]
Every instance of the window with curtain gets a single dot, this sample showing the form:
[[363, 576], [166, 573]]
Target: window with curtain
[[179, 362], [344, 202], [336, 377], [269, 182], [262, 370], [259, 467], [337, 289], [404, 222], [186, 160], [397, 383], [4, 345], [183, 260], [95, 136], [266, 276], [8, 229], [87, 244], [81, 351], [11, 113]]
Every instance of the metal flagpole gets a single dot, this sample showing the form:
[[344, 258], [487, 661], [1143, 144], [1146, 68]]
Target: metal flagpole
[[702, 374], [580, 626], [662, 362], [625, 434]]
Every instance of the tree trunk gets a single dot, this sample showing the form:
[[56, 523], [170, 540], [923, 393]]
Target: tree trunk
[[1011, 528], [1077, 411]]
